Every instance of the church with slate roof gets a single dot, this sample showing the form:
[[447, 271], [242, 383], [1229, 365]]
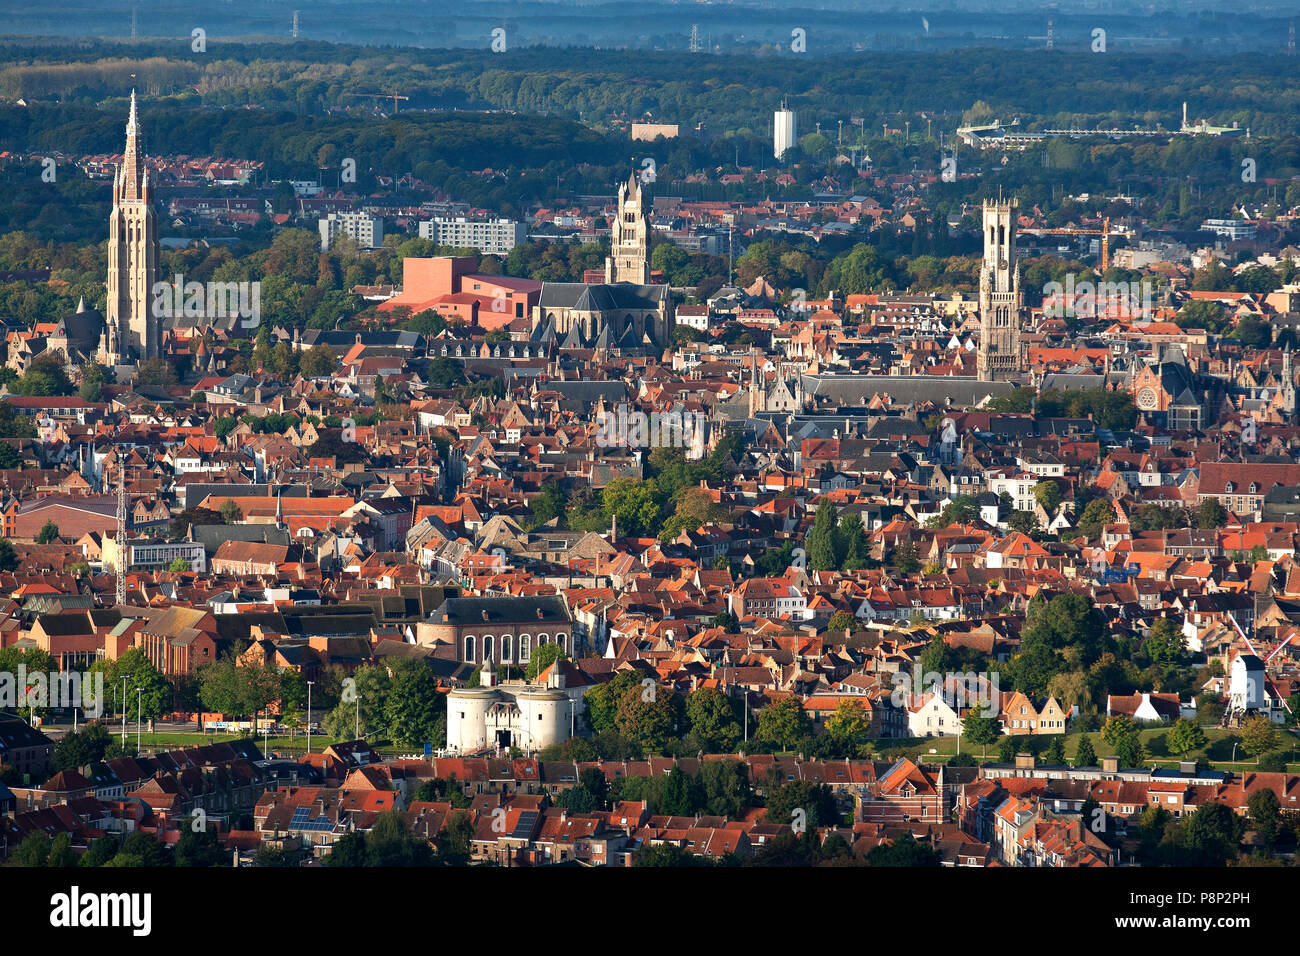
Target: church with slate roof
[[626, 313]]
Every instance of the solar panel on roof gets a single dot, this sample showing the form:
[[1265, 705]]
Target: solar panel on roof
[[524, 828]]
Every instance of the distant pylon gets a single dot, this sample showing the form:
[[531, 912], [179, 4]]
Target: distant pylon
[[295, 24], [1049, 34], [135, 21], [695, 38], [1290, 39]]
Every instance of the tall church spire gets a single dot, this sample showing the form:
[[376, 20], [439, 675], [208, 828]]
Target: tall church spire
[[131, 330], [133, 171], [999, 356], [629, 239]]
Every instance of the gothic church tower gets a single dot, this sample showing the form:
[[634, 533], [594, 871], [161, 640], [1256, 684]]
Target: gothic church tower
[[999, 356], [131, 331], [628, 260]]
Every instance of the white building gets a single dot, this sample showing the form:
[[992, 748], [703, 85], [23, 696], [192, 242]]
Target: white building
[[527, 716], [1230, 229], [489, 236], [785, 131], [153, 554], [367, 230], [1019, 486]]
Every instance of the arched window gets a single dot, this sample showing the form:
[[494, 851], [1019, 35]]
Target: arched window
[[1252, 489], [469, 649], [505, 647], [542, 639], [525, 643], [559, 639], [1227, 489], [487, 646]]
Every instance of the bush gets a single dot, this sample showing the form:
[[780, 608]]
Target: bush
[[1272, 763]]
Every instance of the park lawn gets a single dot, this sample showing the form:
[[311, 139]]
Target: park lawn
[[1217, 750], [298, 742]]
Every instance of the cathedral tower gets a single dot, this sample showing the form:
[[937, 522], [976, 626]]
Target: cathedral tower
[[1000, 302], [628, 240], [131, 330]]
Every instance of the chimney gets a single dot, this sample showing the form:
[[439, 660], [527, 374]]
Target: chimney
[[1110, 764]]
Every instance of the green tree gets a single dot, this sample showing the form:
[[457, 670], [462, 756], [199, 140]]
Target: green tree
[[601, 702], [455, 840], [904, 559], [49, 532], [543, 657], [1184, 737], [1098, 513], [45, 376], [980, 727], [34, 850], [1165, 644], [1265, 813], [841, 621], [318, 362], [633, 503], [665, 855], [850, 722], [904, 851], [201, 849], [784, 722], [1117, 728], [1084, 754], [548, 504], [1048, 495], [821, 539], [1259, 735], [714, 718], [146, 689], [1210, 515], [155, 373], [815, 800], [414, 705], [649, 716]]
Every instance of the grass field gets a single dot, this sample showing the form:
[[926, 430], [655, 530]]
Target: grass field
[[175, 741], [1217, 752]]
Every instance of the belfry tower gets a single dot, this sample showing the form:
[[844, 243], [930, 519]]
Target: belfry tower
[[131, 330], [1000, 301], [628, 260]]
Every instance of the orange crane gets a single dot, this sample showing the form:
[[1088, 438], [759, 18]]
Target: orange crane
[[384, 96], [1105, 233]]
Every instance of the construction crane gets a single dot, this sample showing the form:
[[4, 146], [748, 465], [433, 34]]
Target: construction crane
[[384, 96], [1105, 232]]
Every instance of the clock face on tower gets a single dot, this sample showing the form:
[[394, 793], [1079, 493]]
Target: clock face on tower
[[1146, 398], [1003, 264]]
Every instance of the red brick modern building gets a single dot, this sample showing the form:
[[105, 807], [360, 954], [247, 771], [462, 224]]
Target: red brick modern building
[[446, 285]]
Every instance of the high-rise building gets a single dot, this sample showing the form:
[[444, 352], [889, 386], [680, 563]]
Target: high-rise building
[[785, 131], [489, 236], [366, 229], [629, 260], [131, 329], [999, 356]]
